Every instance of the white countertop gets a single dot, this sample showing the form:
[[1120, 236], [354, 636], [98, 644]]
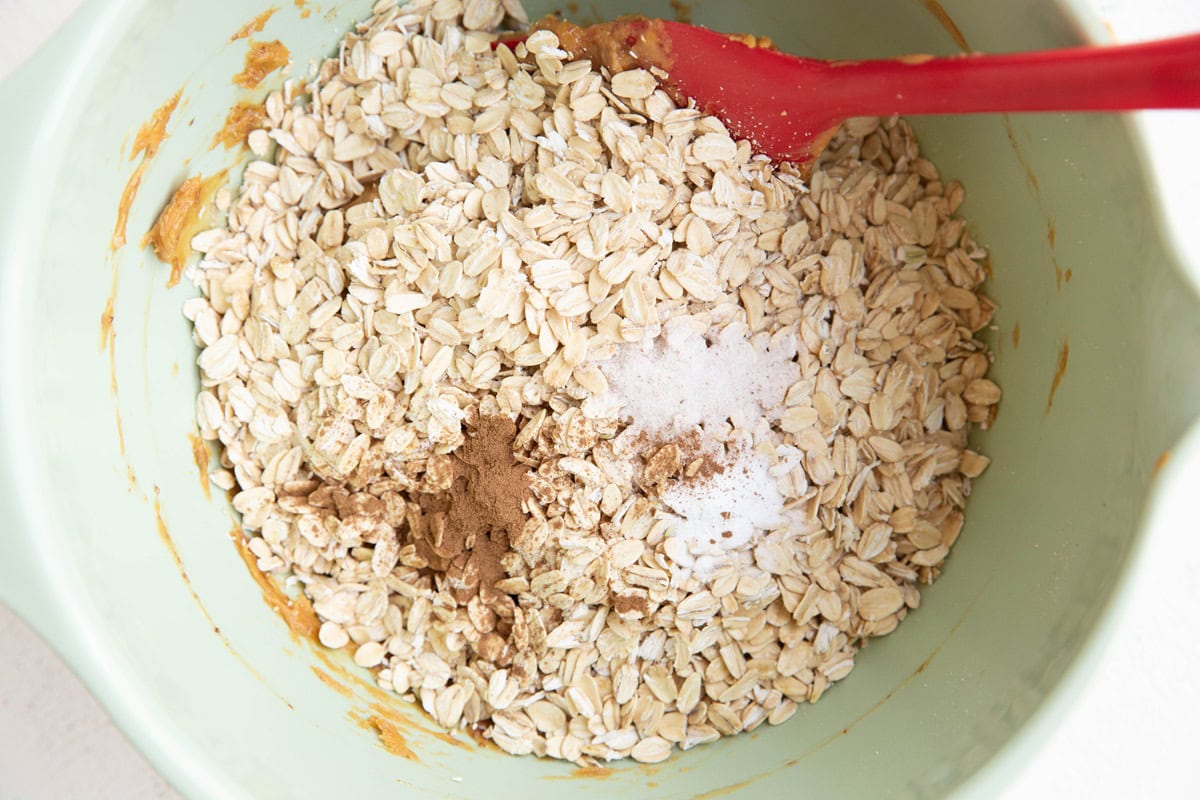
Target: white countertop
[[1129, 735]]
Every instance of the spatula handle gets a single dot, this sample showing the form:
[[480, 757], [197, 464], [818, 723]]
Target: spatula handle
[[1156, 74]]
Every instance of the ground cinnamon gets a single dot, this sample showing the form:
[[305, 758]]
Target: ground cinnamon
[[467, 530]]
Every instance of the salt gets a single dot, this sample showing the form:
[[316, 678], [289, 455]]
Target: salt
[[685, 382]]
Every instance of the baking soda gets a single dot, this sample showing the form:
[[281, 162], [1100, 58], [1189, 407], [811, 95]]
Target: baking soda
[[726, 512], [685, 382]]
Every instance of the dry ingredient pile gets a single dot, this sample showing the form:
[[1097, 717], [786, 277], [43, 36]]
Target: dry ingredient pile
[[579, 423]]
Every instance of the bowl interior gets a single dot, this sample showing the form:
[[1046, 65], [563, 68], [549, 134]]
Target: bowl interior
[[171, 630]]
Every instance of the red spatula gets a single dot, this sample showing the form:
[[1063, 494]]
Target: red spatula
[[788, 106]]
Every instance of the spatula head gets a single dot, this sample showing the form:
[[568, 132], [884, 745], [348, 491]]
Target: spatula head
[[757, 91]]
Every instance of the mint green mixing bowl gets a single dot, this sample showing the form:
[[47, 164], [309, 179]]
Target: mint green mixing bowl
[[119, 559]]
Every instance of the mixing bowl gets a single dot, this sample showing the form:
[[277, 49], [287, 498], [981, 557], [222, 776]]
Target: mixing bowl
[[114, 552]]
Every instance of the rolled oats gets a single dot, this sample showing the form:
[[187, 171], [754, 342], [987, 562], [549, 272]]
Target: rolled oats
[[442, 232]]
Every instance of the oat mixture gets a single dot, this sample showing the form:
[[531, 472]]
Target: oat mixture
[[405, 329]]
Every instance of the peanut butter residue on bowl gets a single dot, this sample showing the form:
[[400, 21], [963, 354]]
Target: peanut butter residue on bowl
[[627, 43], [254, 26], [241, 119], [262, 59], [106, 322], [200, 457], [332, 683], [127, 195], [145, 143], [1060, 369], [172, 232], [152, 132], [297, 612], [389, 736], [167, 232]]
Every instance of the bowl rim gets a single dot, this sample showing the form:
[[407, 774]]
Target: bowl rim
[[46, 595]]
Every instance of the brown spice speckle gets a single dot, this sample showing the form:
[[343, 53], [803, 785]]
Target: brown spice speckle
[[627, 603], [699, 463]]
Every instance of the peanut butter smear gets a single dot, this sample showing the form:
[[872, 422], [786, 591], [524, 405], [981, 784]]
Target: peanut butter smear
[[752, 41], [241, 119], [296, 612], [467, 530], [127, 195], [167, 233], [389, 736], [172, 232], [253, 26], [145, 143], [201, 457], [262, 58], [152, 132]]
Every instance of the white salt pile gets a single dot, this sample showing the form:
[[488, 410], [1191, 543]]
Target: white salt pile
[[683, 383], [676, 382], [724, 513]]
